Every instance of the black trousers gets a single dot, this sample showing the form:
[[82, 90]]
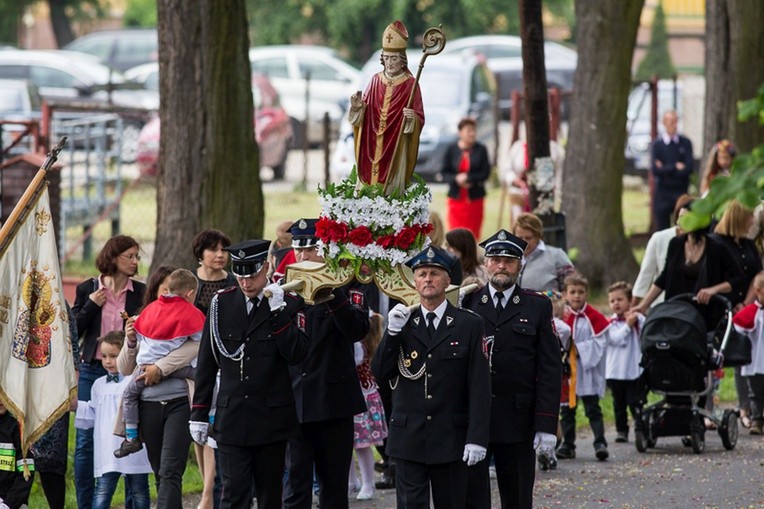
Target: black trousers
[[241, 466], [328, 445], [515, 475], [164, 430], [593, 413], [414, 481], [624, 397]]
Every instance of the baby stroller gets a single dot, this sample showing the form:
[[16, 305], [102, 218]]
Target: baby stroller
[[678, 356]]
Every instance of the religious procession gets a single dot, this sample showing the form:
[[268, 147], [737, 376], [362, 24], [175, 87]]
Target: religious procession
[[376, 355]]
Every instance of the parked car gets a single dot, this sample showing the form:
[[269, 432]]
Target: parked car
[[119, 49], [273, 132], [19, 101], [453, 87], [505, 59], [331, 84], [638, 122], [65, 75]]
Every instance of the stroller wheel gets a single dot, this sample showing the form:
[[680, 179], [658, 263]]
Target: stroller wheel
[[698, 442], [640, 441], [728, 431]]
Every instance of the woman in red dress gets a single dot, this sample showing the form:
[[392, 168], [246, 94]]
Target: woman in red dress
[[466, 168]]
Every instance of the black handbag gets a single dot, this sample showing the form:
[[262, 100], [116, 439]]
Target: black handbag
[[737, 351]]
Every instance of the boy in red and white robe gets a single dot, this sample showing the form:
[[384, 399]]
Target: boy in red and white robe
[[750, 321], [162, 327]]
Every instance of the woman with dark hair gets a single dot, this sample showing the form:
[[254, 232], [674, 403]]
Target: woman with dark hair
[[462, 244], [465, 169], [697, 264], [97, 310], [213, 259], [156, 285]]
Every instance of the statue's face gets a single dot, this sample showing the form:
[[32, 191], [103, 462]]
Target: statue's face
[[393, 63]]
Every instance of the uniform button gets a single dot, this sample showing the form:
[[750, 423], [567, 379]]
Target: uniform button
[[246, 396], [429, 396], [247, 358], [305, 374], [429, 417], [246, 340], [246, 377], [429, 356], [429, 375]]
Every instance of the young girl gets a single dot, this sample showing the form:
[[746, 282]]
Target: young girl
[[370, 426], [548, 459]]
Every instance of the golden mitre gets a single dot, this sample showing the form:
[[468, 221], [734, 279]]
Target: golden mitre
[[395, 37]]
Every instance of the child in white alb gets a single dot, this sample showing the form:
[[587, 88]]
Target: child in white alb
[[623, 356], [99, 414]]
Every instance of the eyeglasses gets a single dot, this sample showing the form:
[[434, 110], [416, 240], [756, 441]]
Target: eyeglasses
[[135, 257]]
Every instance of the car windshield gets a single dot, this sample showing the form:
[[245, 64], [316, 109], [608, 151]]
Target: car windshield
[[10, 101], [439, 88], [97, 74]]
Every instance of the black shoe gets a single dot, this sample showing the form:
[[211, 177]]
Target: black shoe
[[600, 450], [380, 466], [566, 452], [552, 463], [544, 462], [386, 482], [128, 447], [622, 437]]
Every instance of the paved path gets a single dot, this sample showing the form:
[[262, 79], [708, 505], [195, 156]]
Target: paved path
[[668, 476]]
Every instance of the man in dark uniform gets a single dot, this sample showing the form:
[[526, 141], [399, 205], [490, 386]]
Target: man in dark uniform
[[671, 163], [250, 336], [326, 389], [526, 374], [441, 390]]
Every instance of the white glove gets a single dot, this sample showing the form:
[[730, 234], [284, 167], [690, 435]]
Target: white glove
[[3, 504], [544, 441], [198, 431], [397, 318], [473, 454], [276, 300]]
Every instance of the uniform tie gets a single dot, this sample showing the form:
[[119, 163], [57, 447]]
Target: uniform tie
[[499, 305], [431, 324], [255, 302]]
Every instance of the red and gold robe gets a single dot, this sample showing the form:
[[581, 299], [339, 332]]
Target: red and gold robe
[[383, 152]]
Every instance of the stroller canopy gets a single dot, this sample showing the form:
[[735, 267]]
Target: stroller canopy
[[675, 325]]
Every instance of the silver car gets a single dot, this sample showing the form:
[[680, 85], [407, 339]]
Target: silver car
[[331, 82]]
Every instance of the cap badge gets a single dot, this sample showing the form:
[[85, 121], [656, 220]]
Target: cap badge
[[484, 300], [516, 299], [430, 253], [502, 235], [241, 253], [302, 224]]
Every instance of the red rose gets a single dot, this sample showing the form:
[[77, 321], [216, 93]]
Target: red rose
[[323, 228], [338, 232], [405, 238], [386, 241], [360, 236]]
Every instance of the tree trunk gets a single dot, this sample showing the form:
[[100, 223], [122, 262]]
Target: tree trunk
[[62, 29], [594, 162], [208, 165], [534, 79], [719, 107], [746, 75]]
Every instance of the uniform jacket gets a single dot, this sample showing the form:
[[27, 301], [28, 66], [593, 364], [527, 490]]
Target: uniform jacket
[[325, 382], [88, 313], [526, 369], [480, 170], [255, 404], [435, 416], [667, 176]]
